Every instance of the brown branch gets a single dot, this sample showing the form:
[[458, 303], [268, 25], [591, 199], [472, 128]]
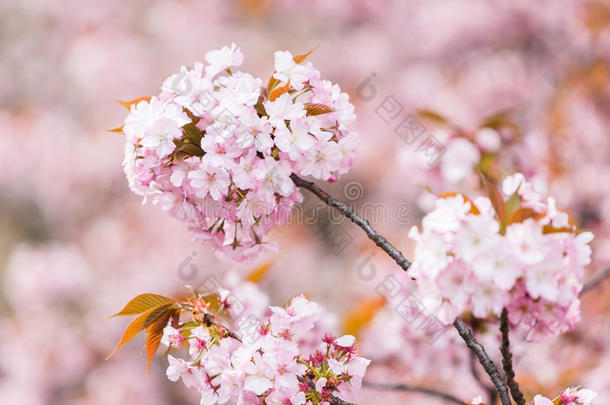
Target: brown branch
[[484, 359], [210, 320], [507, 360], [595, 280], [492, 395], [412, 388], [338, 401], [349, 213], [402, 261]]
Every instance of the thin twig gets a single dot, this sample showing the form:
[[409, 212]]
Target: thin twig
[[595, 280], [349, 213], [492, 395], [402, 261], [412, 388], [484, 359], [507, 360], [211, 320]]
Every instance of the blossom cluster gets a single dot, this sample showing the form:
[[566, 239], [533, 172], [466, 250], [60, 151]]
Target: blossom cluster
[[270, 362], [570, 396], [486, 254], [216, 149]]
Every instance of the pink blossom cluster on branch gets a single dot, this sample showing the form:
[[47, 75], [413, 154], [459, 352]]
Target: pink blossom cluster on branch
[[570, 396], [216, 149], [486, 254], [282, 360]]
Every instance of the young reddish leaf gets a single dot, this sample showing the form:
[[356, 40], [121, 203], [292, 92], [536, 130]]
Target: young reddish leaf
[[213, 300], [279, 91], [317, 109], [301, 58], [494, 196], [128, 104], [362, 314], [141, 303], [512, 204], [140, 323], [192, 133], [187, 150], [521, 215], [432, 116], [119, 129], [258, 273], [550, 229], [272, 83], [154, 333], [260, 108]]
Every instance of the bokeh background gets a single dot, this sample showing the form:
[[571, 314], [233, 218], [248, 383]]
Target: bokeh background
[[514, 86]]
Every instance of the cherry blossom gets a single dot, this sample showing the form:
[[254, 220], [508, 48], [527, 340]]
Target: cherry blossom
[[570, 396], [216, 150], [282, 359], [530, 261]]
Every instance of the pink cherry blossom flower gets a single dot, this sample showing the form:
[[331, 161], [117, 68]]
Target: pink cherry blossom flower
[[172, 337], [214, 151], [222, 59], [208, 179], [466, 260], [287, 69]]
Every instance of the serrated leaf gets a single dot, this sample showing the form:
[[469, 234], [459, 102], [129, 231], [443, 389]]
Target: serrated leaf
[[317, 109], [128, 104], [154, 333], [301, 58], [279, 91], [140, 323], [141, 303], [521, 215], [258, 273], [362, 314], [495, 197]]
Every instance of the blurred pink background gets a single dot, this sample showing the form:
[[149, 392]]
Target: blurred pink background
[[75, 244]]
